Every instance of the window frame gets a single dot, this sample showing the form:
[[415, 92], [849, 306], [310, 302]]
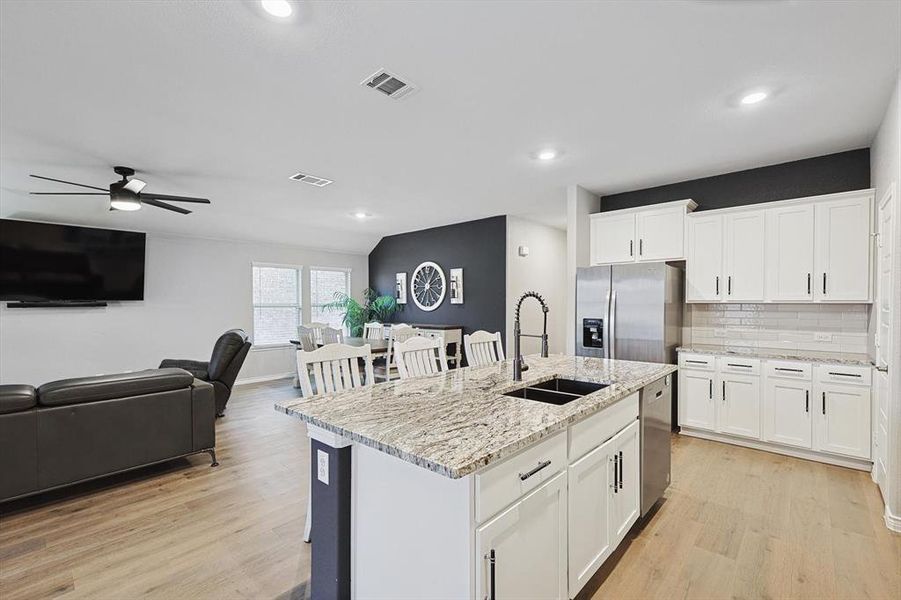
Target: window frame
[[253, 306], [348, 271]]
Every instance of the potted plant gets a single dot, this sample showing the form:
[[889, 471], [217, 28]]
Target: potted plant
[[373, 308]]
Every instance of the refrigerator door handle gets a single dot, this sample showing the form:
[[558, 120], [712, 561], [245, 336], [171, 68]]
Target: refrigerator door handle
[[605, 338], [613, 325]]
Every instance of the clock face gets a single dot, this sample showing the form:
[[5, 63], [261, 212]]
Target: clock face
[[428, 286]]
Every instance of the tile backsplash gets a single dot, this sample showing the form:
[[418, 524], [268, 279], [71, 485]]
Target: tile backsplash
[[825, 327]]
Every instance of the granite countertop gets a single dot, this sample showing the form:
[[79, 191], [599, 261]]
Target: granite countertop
[[842, 358], [457, 422]]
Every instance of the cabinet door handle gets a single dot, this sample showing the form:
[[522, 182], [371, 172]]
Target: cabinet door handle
[[615, 474], [640, 246], [711, 389], [620, 469], [492, 560], [824, 284], [807, 401], [541, 465], [729, 285], [724, 391], [630, 247], [824, 403], [717, 285], [808, 284]]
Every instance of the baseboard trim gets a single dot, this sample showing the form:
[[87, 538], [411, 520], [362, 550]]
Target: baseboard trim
[[851, 463], [263, 378], [893, 522]]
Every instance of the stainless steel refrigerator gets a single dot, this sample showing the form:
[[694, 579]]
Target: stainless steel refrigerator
[[634, 312]]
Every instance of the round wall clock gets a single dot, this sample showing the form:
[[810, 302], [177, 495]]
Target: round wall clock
[[428, 286]]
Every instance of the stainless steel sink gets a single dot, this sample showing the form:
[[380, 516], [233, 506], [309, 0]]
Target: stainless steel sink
[[557, 391]]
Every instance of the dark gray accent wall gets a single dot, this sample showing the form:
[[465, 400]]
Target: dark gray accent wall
[[478, 247], [828, 174]]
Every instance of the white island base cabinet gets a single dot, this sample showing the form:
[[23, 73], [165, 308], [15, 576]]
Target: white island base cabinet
[[536, 525]]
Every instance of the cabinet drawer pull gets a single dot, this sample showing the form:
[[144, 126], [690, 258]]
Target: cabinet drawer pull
[[492, 560], [697, 362], [541, 465], [620, 469], [845, 374], [738, 365], [790, 370]]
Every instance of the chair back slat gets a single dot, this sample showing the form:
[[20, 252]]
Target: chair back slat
[[331, 335], [307, 338], [333, 368], [483, 348], [373, 331], [420, 356]]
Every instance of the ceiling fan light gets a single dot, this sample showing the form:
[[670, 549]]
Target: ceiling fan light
[[128, 204], [135, 186]]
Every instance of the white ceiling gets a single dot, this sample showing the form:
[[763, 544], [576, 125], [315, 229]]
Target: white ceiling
[[214, 99]]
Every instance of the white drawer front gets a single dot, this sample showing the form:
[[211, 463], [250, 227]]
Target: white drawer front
[[788, 369], [852, 375], [701, 362], [742, 366], [502, 484], [587, 435]]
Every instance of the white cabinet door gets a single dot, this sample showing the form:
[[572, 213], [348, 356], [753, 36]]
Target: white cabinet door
[[789, 253], [527, 543], [743, 266], [613, 239], [704, 263], [787, 412], [661, 234], [843, 420], [626, 500], [696, 404], [842, 258], [740, 405], [590, 488]]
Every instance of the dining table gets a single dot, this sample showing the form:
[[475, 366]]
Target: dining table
[[377, 347]]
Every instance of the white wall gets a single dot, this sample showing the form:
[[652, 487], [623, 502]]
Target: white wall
[[580, 203], [194, 290], [542, 271], [885, 172]]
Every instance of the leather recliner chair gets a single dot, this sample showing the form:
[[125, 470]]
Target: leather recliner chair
[[222, 369]]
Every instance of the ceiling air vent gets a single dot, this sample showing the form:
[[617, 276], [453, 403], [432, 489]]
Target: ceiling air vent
[[311, 179], [389, 84]]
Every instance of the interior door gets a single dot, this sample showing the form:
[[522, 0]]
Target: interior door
[[590, 488], [886, 245], [789, 253], [527, 544], [787, 412], [661, 234], [613, 239], [626, 498], [704, 263], [740, 402], [842, 259], [744, 256], [844, 420], [696, 403]]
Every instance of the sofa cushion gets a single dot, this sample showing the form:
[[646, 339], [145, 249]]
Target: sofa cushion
[[119, 385], [16, 398]]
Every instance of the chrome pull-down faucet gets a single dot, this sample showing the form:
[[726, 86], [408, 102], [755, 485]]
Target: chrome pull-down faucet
[[519, 364]]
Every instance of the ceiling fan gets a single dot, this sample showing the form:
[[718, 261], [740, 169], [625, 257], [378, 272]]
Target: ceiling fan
[[126, 194]]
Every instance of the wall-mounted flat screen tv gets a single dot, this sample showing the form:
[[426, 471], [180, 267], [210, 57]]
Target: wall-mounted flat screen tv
[[49, 262]]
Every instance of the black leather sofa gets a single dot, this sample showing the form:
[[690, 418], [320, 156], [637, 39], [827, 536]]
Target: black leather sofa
[[222, 369], [72, 430]]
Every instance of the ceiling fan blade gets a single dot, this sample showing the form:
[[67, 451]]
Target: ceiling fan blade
[[159, 204], [174, 198], [92, 187], [69, 193]]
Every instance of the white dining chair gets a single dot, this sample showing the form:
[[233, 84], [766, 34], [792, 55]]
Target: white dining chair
[[332, 368], [307, 338], [317, 331], [399, 332], [483, 348], [373, 331], [330, 335], [420, 356]]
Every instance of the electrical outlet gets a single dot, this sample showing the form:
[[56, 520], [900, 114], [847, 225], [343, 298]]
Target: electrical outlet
[[822, 337], [322, 466], [719, 333]]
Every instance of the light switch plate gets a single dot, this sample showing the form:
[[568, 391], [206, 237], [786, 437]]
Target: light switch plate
[[322, 466], [822, 337]]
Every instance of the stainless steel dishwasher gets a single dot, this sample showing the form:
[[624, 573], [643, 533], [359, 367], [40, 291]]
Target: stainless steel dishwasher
[[655, 414]]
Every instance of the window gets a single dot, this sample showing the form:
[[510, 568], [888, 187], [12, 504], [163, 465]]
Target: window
[[323, 285], [276, 304]]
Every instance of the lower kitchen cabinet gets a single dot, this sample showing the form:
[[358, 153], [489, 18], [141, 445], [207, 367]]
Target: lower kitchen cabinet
[[696, 405], [787, 412], [523, 551], [625, 500], [740, 404], [843, 420]]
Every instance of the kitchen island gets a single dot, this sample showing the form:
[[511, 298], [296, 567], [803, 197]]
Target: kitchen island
[[448, 487]]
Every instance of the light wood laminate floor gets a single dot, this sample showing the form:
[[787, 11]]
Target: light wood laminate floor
[[736, 523]]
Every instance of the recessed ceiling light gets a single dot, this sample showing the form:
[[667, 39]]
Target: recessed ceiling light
[[548, 154], [361, 215], [277, 8], [754, 98]]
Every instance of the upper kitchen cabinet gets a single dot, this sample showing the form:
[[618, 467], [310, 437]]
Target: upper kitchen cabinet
[[704, 267], [789, 251], [843, 250], [725, 261], [645, 234]]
